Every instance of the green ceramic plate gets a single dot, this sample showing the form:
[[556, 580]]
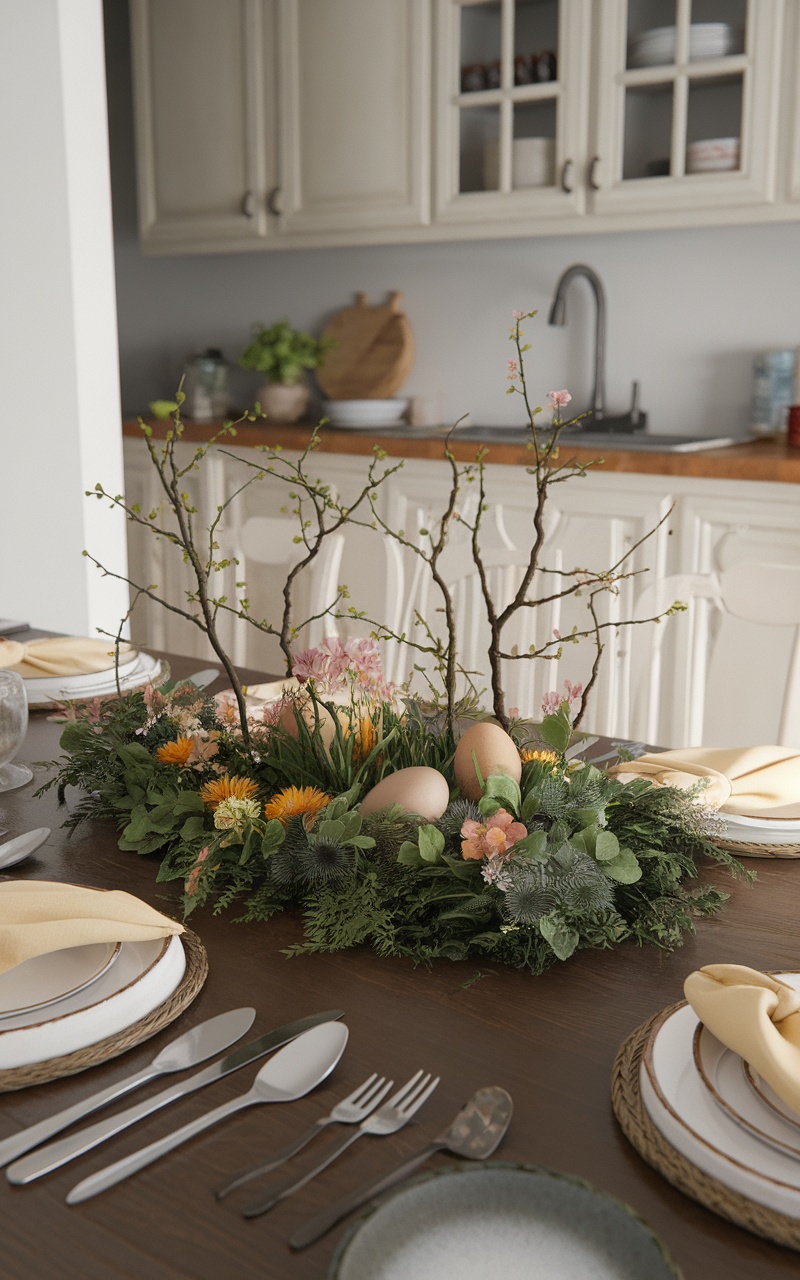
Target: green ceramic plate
[[501, 1222]]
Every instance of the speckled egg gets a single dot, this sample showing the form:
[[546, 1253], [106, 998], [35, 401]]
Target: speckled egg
[[419, 790], [494, 751]]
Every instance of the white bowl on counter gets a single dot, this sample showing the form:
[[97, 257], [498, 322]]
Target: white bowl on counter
[[365, 414]]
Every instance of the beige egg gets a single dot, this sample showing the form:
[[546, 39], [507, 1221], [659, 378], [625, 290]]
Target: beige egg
[[287, 719], [419, 790], [495, 752]]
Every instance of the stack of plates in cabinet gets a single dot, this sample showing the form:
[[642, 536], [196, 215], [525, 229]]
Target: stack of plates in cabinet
[[65, 1001], [719, 1114], [135, 670], [656, 48]]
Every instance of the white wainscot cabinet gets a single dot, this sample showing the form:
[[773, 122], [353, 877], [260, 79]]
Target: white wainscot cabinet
[[283, 123], [591, 524]]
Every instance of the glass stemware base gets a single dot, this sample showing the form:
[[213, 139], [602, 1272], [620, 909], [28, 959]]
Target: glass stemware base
[[13, 776]]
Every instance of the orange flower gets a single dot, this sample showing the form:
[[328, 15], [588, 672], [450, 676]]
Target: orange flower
[[177, 752], [292, 802], [365, 738], [542, 757], [226, 788]]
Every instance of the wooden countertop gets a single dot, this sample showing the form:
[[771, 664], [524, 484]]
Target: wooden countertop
[[550, 1041], [769, 459]]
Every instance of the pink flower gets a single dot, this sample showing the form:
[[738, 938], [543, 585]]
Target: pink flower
[[559, 398], [518, 315], [226, 707], [311, 664], [491, 838], [494, 872], [194, 875], [513, 370], [552, 701]]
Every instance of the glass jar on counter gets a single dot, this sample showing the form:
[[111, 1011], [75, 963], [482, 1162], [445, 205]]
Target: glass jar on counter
[[206, 386]]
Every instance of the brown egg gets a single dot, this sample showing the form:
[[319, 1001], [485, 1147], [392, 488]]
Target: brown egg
[[494, 751], [419, 790]]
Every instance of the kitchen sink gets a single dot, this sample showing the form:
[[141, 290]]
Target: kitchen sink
[[640, 441]]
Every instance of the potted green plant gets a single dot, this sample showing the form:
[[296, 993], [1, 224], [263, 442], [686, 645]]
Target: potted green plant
[[283, 354]]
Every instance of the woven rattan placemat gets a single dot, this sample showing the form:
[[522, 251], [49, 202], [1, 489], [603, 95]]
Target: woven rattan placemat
[[70, 1063], [748, 850], [654, 1148]]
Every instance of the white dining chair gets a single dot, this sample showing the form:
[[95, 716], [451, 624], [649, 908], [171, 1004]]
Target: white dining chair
[[674, 662], [270, 541]]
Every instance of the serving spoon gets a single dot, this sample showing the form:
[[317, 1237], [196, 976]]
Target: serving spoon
[[21, 847], [474, 1134], [294, 1071]]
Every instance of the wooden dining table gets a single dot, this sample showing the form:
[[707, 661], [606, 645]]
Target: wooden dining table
[[550, 1041]]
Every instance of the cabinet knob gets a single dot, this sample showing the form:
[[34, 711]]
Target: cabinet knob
[[566, 177], [593, 183], [249, 204], [272, 201]]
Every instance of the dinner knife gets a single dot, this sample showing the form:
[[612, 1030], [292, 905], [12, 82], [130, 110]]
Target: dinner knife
[[189, 1050], [55, 1154]]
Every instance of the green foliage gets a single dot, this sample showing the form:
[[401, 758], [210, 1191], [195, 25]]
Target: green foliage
[[602, 861], [283, 353]]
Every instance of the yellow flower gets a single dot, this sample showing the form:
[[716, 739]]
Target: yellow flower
[[366, 736], [177, 752], [292, 802], [225, 788], [541, 757]]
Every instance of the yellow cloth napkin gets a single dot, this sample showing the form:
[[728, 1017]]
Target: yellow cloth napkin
[[682, 773], [757, 1017], [37, 916], [60, 656], [764, 781]]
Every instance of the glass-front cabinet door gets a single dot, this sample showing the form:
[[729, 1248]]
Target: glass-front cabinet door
[[687, 104], [512, 83]]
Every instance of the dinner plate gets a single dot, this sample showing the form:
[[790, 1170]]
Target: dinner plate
[[44, 692], [762, 824], [515, 1221], [143, 976], [772, 835], [684, 1111], [770, 1099], [723, 1074], [47, 979]]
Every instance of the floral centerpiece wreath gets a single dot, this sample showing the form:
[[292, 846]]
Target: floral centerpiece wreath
[[420, 826]]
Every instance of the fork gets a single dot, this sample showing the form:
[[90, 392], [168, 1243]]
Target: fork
[[392, 1116], [351, 1110]]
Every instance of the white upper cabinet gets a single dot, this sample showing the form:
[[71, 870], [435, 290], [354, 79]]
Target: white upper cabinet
[[283, 123], [687, 105], [205, 122], [512, 81], [355, 116]]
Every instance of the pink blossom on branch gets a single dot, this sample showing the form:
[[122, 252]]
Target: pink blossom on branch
[[518, 315], [559, 399], [552, 701], [513, 370]]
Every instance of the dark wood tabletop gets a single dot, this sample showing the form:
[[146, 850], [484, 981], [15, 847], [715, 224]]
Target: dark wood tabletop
[[550, 1041]]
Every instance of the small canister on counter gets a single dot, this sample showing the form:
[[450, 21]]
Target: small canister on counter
[[773, 390], [207, 386]]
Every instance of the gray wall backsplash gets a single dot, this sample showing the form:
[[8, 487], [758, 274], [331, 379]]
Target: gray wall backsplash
[[687, 309]]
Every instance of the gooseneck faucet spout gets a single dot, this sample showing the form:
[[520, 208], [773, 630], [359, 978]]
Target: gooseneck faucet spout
[[558, 315]]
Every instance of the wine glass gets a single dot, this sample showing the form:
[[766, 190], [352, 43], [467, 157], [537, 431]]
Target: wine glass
[[13, 725]]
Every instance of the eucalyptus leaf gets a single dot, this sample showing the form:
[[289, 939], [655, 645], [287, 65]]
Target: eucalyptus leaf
[[624, 868], [556, 729], [606, 846], [560, 936], [499, 786], [409, 854], [532, 846], [431, 843]]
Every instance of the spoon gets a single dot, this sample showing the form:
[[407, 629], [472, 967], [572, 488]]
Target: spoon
[[475, 1133], [21, 847], [299, 1067], [188, 1050]]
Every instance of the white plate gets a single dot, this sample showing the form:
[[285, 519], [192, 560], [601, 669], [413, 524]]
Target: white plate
[[763, 824], [766, 835], [84, 687], [37, 684], [45, 980], [706, 40], [723, 1074], [770, 1099], [684, 1111], [144, 975], [477, 1222]]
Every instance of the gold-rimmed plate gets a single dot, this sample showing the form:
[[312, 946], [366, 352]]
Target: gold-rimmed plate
[[729, 1081], [47, 979]]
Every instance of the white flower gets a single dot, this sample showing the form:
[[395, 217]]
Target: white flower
[[232, 814], [494, 872]]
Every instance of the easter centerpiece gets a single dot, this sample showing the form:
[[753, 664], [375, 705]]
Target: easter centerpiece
[[439, 824]]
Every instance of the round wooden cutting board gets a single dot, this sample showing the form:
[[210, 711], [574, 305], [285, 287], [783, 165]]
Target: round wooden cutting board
[[374, 351]]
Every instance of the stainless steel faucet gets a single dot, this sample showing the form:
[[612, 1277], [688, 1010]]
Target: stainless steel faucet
[[558, 315]]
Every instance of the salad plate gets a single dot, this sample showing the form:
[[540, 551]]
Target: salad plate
[[47, 979]]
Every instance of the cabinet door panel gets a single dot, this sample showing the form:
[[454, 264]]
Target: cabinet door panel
[[355, 112], [201, 108]]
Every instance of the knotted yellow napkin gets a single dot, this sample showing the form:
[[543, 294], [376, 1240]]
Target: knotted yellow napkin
[[60, 656], [756, 1016], [764, 782], [37, 916]]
